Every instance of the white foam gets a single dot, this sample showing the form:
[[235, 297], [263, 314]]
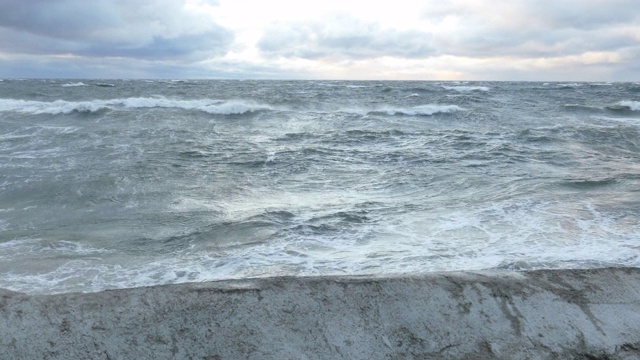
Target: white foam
[[429, 109], [570, 84], [531, 234], [632, 105], [26, 248], [211, 106], [54, 107], [467, 88], [60, 129], [161, 102], [235, 108], [74, 84]]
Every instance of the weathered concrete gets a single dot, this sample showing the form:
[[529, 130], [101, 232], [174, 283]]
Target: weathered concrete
[[570, 314]]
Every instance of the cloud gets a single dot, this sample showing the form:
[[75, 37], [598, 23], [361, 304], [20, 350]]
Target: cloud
[[525, 28], [582, 14], [404, 39], [473, 28], [341, 36], [163, 29]]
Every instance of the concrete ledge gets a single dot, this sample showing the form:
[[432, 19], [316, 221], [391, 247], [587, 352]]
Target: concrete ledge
[[569, 314]]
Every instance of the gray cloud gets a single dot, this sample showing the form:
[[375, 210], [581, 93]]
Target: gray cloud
[[518, 28], [529, 28], [94, 67], [60, 19], [582, 14], [161, 29], [342, 37], [533, 39]]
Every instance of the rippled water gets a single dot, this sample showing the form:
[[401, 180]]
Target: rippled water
[[109, 184]]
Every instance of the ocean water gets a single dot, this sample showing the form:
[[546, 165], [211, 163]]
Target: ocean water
[[115, 184]]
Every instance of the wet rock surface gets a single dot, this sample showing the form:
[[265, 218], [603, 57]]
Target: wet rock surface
[[547, 314]]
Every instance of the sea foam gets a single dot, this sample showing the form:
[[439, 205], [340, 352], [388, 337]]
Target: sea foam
[[74, 84], [424, 110], [631, 105], [53, 108], [466, 88], [57, 107]]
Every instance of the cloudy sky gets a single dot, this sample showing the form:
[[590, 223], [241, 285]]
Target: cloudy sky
[[547, 40]]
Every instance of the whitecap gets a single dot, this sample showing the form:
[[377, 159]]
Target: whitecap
[[161, 102], [73, 84], [235, 108], [467, 88], [631, 105], [53, 108], [565, 85], [211, 106], [429, 109]]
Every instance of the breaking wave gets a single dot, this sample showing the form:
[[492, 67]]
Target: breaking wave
[[466, 88], [74, 84], [625, 105], [234, 108], [629, 105], [53, 108], [210, 106], [424, 110], [65, 107]]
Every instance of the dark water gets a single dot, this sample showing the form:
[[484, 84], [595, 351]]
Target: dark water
[[107, 184]]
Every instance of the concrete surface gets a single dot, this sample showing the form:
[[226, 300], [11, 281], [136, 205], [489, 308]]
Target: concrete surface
[[563, 314]]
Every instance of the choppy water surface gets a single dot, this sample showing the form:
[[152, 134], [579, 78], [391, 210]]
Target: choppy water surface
[[110, 184]]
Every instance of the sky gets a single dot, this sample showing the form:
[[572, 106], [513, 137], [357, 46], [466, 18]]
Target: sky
[[536, 40]]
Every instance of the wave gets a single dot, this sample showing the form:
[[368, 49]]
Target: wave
[[53, 108], [210, 106], [628, 105], [568, 85], [578, 107], [633, 87], [424, 110], [235, 108], [625, 105], [466, 88], [57, 107], [74, 84], [420, 89], [561, 86]]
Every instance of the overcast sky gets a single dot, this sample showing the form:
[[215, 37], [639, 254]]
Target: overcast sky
[[546, 40]]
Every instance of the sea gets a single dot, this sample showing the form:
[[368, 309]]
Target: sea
[[109, 184]]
